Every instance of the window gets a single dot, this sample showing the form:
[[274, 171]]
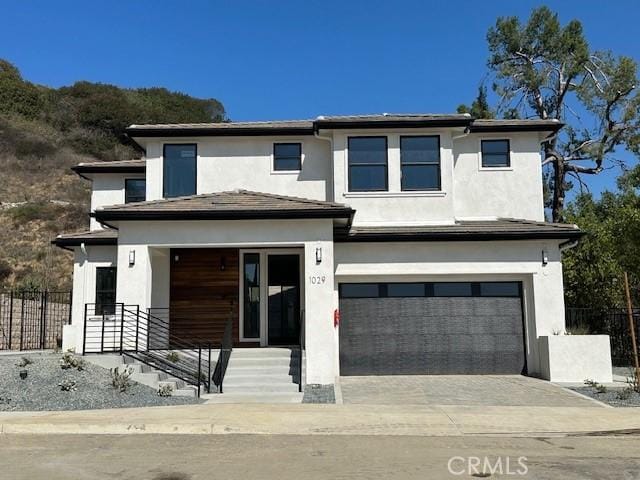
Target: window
[[179, 170], [287, 156], [251, 311], [105, 290], [367, 164], [420, 163], [359, 290], [134, 190], [495, 153], [431, 289]]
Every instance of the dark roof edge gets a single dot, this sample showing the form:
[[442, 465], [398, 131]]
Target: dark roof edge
[[351, 124], [548, 127], [63, 242], [107, 215], [218, 132], [340, 236], [84, 169]]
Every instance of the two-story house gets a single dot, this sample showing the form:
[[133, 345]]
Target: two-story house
[[382, 244]]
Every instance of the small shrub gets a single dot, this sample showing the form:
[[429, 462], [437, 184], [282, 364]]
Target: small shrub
[[633, 381], [599, 388], [68, 386], [120, 379], [578, 330], [165, 390], [69, 360], [24, 361], [173, 357], [625, 393]]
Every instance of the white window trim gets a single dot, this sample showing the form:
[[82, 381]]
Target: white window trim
[[494, 169], [272, 158], [264, 304]]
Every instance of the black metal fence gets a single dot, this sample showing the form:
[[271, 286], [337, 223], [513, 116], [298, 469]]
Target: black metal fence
[[612, 322], [33, 319]]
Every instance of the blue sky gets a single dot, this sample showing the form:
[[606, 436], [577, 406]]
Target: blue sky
[[288, 59]]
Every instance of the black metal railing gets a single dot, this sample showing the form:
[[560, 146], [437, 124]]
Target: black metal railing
[[136, 333], [33, 319], [301, 351], [226, 347], [613, 322]]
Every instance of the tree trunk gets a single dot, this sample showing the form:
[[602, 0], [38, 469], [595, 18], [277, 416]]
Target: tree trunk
[[558, 191], [559, 187]]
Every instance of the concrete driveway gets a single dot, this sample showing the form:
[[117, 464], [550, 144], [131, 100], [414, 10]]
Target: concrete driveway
[[472, 390]]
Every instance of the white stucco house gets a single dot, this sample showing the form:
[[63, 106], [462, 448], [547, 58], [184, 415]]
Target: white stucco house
[[380, 245]]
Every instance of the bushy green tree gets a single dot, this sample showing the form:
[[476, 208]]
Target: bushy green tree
[[16, 95], [593, 270], [542, 69], [480, 107]]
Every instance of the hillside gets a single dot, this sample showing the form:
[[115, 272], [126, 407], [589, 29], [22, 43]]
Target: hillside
[[43, 132]]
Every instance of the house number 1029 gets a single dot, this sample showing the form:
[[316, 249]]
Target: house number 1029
[[317, 279]]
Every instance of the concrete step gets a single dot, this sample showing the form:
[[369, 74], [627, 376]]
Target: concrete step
[[251, 377], [261, 353], [251, 397], [261, 362], [260, 388]]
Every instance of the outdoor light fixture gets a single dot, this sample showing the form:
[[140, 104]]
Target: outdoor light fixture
[[132, 258], [23, 374], [318, 254], [545, 258], [223, 264]]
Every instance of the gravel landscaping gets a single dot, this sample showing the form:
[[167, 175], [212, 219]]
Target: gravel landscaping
[[41, 389], [616, 397], [314, 393]]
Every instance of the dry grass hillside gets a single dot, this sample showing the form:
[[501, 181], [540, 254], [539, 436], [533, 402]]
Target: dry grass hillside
[[44, 132]]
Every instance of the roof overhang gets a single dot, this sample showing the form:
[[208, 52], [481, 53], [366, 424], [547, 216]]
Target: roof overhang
[[112, 215]]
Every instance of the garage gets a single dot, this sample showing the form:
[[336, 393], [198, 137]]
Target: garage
[[431, 328]]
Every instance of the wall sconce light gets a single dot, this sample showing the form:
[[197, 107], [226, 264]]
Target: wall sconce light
[[318, 254], [176, 258], [132, 258], [545, 258], [223, 264]]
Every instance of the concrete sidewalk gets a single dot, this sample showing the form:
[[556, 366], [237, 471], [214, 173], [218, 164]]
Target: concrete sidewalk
[[328, 420]]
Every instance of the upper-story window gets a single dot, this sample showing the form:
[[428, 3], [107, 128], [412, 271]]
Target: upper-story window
[[495, 153], [135, 190], [420, 162], [287, 156], [179, 170], [367, 164]]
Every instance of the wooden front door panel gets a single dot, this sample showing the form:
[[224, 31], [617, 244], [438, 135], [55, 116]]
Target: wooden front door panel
[[204, 293]]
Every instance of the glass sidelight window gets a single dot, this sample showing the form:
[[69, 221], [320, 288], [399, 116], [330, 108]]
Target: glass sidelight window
[[251, 295]]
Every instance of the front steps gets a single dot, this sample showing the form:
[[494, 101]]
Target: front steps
[[144, 374], [260, 375]]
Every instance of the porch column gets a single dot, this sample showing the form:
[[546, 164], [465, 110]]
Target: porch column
[[320, 334], [134, 281]]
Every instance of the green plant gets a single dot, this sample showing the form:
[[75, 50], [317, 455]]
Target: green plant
[[165, 390], [173, 357], [633, 380], [69, 360], [24, 361], [578, 330], [120, 379], [68, 386], [625, 393], [599, 388]]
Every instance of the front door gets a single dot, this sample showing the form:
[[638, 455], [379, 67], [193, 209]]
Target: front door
[[283, 304]]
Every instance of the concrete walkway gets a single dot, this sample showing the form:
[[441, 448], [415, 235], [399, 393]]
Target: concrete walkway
[[470, 390], [421, 420]]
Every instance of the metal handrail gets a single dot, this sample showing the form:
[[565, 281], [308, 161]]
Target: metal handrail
[[300, 351], [133, 332], [226, 347]]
